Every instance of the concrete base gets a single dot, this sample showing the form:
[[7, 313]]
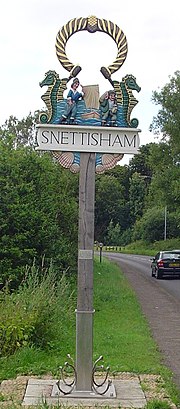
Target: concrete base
[[128, 394]]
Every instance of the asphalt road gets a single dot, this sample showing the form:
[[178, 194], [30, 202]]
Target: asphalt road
[[160, 302]]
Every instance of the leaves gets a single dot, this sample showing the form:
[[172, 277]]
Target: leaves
[[37, 202], [38, 313], [39, 199], [168, 118]]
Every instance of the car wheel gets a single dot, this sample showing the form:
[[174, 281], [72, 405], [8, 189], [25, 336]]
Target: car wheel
[[152, 273], [158, 275]]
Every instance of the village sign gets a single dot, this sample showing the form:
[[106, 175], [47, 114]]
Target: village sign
[[87, 133]]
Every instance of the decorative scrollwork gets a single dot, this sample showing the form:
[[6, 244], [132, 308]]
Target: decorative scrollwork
[[91, 24], [63, 371], [97, 385]]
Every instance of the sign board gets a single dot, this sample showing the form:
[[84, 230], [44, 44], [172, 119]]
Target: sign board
[[74, 138]]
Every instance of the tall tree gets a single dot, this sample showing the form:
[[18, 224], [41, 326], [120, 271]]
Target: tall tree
[[137, 193], [110, 205], [140, 163], [167, 120], [38, 212], [22, 131], [164, 188]]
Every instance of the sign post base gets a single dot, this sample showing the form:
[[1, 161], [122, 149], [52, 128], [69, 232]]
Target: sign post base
[[90, 394]]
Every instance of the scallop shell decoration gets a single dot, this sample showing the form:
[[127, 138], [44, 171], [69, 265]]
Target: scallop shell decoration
[[71, 161], [109, 161], [66, 160]]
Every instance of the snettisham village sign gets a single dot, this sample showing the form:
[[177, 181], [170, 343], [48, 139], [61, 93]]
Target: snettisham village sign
[[87, 133]]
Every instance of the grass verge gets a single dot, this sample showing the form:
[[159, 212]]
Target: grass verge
[[144, 248], [121, 335]]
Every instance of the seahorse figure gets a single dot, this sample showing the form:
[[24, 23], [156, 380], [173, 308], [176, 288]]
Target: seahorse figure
[[125, 97], [52, 96]]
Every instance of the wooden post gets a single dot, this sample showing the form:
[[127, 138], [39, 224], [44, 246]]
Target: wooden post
[[84, 312]]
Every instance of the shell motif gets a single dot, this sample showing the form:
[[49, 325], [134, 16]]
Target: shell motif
[[64, 158], [109, 161]]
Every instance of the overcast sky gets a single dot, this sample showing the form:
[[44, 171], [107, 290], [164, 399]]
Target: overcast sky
[[28, 32]]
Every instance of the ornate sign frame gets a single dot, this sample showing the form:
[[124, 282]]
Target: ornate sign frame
[[113, 109]]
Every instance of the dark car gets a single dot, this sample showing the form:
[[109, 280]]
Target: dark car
[[166, 263]]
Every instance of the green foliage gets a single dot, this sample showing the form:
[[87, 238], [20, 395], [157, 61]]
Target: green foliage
[[122, 174], [152, 225], [126, 237], [121, 334], [113, 234], [37, 314], [117, 237], [110, 205], [38, 199], [22, 132], [158, 404], [130, 347], [150, 249], [120, 331], [140, 163], [164, 187], [137, 191], [168, 118], [38, 213]]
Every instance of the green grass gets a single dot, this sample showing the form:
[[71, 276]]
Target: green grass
[[121, 335], [157, 404], [142, 247], [121, 332]]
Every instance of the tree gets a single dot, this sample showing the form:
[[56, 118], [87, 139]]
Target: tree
[[122, 174], [164, 158], [137, 193], [168, 117], [38, 213], [151, 226], [114, 234], [140, 162], [164, 188], [22, 131], [110, 204]]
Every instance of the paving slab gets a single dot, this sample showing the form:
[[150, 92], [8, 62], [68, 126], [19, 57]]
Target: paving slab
[[129, 394]]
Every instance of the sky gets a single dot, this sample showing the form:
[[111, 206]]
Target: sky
[[28, 32]]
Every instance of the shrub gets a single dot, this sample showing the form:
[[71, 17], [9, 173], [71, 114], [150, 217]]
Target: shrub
[[151, 226], [39, 313], [38, 213]]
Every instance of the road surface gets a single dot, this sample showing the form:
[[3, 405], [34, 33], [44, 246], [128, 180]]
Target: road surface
[[160, 302]]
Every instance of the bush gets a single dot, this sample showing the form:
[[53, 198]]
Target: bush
[[116, 236], [151, 226], [38, 214], [39, 314]]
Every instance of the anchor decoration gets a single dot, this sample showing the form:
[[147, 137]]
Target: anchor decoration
[[83, 105]]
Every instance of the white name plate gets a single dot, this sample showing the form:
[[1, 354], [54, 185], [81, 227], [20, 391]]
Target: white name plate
[[85, 254], [74, 138]]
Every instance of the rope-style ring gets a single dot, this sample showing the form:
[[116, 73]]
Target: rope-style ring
[[91, 24]]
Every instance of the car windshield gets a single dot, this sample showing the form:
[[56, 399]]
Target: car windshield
[[171, 255]]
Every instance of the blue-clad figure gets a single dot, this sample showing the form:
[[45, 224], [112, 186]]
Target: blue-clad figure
[[71, 106]]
